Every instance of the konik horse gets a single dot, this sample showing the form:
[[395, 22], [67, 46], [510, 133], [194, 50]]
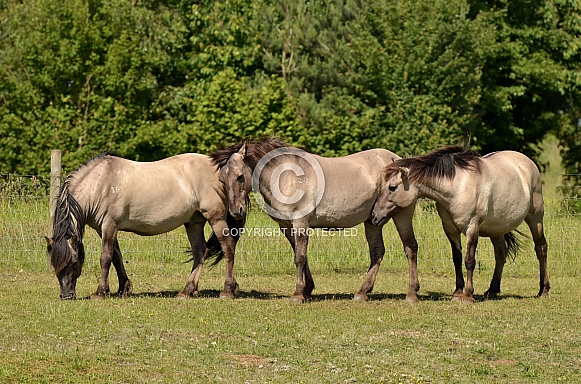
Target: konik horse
[[486, 196], [112, 194], [302, 190]]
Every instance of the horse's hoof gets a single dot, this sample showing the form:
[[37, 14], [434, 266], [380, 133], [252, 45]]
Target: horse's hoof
[[127, 289], [296, 299], [457, 296], [411, 299], [544, 295], [124, 294], [360, 297], [226, 295], [97, 296], [184, 295], [467, 300], [488, 295]]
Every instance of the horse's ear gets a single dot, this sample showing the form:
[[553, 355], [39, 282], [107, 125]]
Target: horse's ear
[[404, 172], [49, 243], [243, 150]]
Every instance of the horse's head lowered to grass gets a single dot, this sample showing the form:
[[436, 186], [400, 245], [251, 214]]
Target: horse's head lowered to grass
[[66, 253]]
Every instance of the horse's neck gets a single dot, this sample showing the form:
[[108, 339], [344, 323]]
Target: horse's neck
[[439, 192]]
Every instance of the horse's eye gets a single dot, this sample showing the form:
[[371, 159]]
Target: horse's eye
[[392, 188], [240, 178]]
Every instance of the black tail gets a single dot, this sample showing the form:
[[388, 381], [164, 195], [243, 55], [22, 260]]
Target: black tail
[[213, 245], [513, 243], [215, 252]]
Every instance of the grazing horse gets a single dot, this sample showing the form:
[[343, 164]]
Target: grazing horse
[[487, 196], [302, 190], [112, 194]]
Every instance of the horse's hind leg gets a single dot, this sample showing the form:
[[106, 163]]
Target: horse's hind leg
[[500, 252], [374, 237], [195, 233], [124, 283], [536, 226]]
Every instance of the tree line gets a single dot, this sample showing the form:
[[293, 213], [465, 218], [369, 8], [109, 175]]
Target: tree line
[[152, 78]]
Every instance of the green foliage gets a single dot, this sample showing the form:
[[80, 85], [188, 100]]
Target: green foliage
[[154, 78], [529, 86], [225, 109]]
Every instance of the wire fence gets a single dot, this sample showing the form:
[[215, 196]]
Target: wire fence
[[24, 222]]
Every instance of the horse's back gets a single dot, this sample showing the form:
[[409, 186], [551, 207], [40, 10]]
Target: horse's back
[[181, 173], [352, 183], [508, 164], [148, 197], [369, 163]]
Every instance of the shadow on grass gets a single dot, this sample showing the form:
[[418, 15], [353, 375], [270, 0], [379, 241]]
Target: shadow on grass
[[257, 295], [427, 296]]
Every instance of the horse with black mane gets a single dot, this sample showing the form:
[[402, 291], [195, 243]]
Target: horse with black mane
[[487, 196], [111, 194], [302, 190]]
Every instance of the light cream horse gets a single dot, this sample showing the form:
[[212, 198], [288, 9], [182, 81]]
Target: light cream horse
[[486, 196], [303, 191], [112, 194]]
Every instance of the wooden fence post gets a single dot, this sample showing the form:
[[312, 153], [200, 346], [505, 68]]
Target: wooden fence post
[[55, 181]]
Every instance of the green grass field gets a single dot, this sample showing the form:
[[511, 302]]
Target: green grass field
[[260, 337]]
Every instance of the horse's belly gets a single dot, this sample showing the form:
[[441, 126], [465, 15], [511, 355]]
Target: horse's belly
[[498, 227], [154, 222], [144, 228], [338, 219]]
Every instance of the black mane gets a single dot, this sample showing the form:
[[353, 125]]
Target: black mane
[[255, 150], [69, 220], [437, 165]]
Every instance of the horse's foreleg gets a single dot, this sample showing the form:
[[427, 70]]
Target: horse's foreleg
[[109, 240], [228, 245], [470, 262], [195, 233], [403, 224], [456, 245], [500, 251], [305, 283], [454, 236], [124, 283], [536, 227], [374, 237]]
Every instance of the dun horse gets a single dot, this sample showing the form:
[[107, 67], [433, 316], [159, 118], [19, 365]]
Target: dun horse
[[302, 190], [112, 194], [486, 196]]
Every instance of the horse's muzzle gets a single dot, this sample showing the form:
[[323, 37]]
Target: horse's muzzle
[[239, 214], [68, 296], [376, 220]]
